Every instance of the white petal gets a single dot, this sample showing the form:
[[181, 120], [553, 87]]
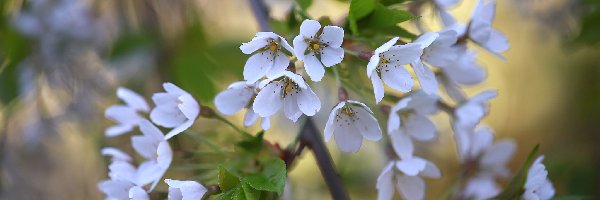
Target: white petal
[[397, 77], [132, 99], [121, 170], [313, 67], [137, 193], [423, 104], [404, 54], [308, 101], [290, 108], [481, 187], [426, 78], [167, 117], [115, 153], [426, 39], [411, 187], [377, 87], [296, 78], [256, 66], [498, 154], [233, 100], [402, 144], [411, 166], [497, 42], [280, 64], [164, 155], [480, 31], [331, 56], [177, 130], [461, 136], [285, 44], [173, 89], [117, 130], [255, 44], [385, 183], [372, 65], [446, 3], [333, 36], [188, 106], [265, 123], [394, 118], [148, 172], [268, 101], [309, 28], [386, 46], [300, 47], [144, 146], [420, 127], [151, 131], [250, 117], [122, 114], [188, 190], [331, 125], [484, 11], [431, 170], [367, 124], [117, 189], [447, 19], [346, 136], [481, 139]]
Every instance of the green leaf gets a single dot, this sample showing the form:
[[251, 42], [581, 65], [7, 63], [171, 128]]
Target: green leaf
[[252, 145], [384, 17], [304, 4], [391, 2], [227, 180], [358, 10], [515, 187], [573, 198], [271, 178], [250, 193]]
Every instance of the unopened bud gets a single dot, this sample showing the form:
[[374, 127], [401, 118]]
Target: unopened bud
[[385, 109], [342, 94], [207, 112]]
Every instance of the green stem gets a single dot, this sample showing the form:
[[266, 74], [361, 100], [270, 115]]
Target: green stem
[[210, 143], [353, 53], [337, 76], [222, 119]]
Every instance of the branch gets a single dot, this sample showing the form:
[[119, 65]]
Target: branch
[[311, 137]]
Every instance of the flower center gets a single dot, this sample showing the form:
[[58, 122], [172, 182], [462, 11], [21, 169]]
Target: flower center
[[273, 46], [288, 87], [315, 46], [348, 111]]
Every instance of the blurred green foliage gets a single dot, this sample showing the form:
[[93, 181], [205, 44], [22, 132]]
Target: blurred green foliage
[[590, 24], [14, 47]]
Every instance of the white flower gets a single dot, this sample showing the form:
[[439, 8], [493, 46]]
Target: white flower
[[491, 160], [538, 186], [318, 48], [388, 62], [480, 28], [444, 4], [240, 95], [408, 120], [290, 92], [138, 193], [466, 117], [349, 122], [121, 183], [437, 51], [464, 71], [127, 115], [175, 109], [153, 146], [481, 31], [268, 59], [406, 176], [185, 190]]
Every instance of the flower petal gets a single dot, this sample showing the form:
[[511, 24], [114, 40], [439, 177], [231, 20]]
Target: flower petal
[[290, 108], [367, 124], [137, 193], [250, 117], [233, 100], [411, 166], [372, 65], [398, 78], [377, 88], [132, 99], [411, 187], [420, 127], [402, 144], [346, 136], [177, 130], [333, 36], [188, 106], [331, 125], [385, 183], [386, 46], [300, 47], [265, 123], [268, 101], [280, 64], [115, 153], [431, 170], [308, 101], [256, 66], [309, 28], [331, 56], [426, 78], [313, 67], [394, 118], [404, 54], [426, 39]]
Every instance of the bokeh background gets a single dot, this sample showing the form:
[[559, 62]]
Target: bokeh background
[[61, 61]]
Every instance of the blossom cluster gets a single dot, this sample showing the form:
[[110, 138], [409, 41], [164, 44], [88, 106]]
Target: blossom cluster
[[272, 83]]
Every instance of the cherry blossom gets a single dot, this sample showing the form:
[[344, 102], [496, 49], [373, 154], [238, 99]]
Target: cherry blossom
[[388, 62], [349, 122], [318, 47], [185, 190], [240, 95], [290, 92], [153, 146], [538, 186], [175, 109], [408, 121], [268, 56], [405, 175], [127, 116]]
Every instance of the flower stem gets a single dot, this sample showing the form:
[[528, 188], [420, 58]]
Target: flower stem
[[222, 119]]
